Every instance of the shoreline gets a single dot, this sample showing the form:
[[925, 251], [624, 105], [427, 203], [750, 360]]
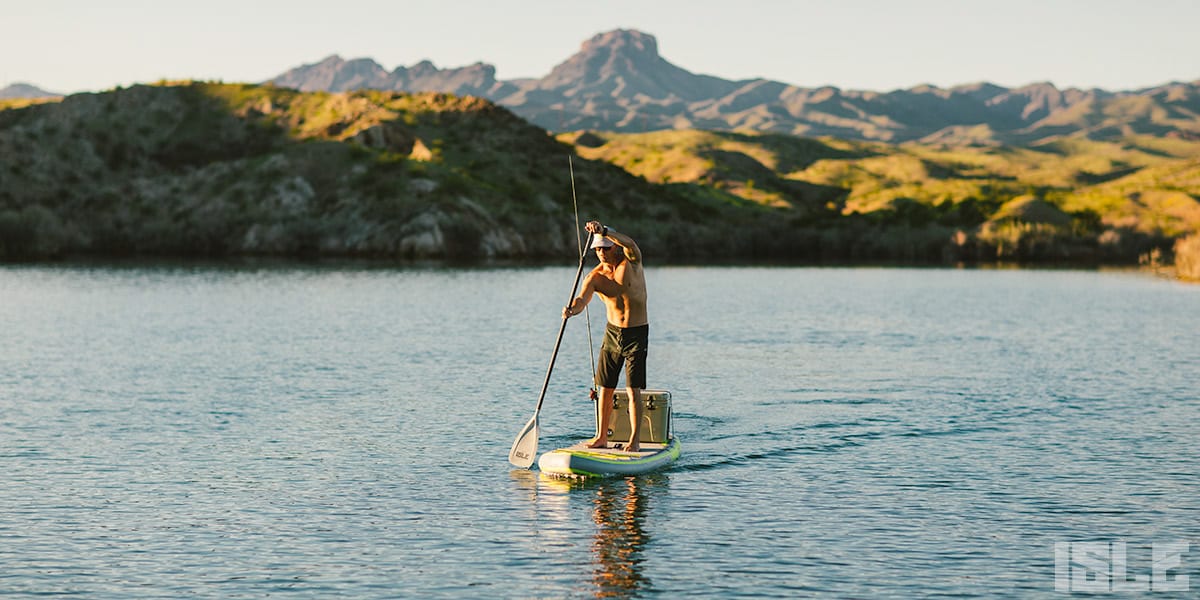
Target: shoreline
[[373, 263]]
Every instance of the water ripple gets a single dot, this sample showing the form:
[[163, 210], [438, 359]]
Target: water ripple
[[341, 432]]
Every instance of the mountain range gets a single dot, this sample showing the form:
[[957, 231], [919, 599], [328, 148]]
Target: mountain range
[[618, 82]]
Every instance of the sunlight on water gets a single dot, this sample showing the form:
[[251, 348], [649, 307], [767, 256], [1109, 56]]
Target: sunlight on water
[[321, 432]]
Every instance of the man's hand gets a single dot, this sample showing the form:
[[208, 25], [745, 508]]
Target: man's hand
[[594, 227]]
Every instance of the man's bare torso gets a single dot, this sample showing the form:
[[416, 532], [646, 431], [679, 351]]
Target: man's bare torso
[[623, 288]]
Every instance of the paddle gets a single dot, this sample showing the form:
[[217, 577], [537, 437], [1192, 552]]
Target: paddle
[[524, 448]]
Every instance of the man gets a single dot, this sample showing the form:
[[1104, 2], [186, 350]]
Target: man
[[621, 283]]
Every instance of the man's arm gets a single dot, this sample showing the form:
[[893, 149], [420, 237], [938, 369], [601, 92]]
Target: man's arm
[[585, 295], [595, 282]]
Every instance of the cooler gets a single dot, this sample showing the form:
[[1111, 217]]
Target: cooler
[[656, 417]]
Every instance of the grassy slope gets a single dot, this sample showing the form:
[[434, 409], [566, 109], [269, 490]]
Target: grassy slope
[[744, 169], [1142, 184]]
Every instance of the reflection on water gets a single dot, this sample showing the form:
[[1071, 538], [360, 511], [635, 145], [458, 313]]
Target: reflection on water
[[617, 509]]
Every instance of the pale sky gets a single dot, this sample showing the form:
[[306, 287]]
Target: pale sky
[[69, 46]]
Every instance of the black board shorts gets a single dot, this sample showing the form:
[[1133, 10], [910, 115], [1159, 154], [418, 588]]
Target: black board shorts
[[628, 344]]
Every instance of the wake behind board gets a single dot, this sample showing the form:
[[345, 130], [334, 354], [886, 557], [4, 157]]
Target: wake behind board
[[659, 446]]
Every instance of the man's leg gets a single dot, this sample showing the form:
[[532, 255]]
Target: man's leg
[[606, 415], [635, 382], [635, 419]]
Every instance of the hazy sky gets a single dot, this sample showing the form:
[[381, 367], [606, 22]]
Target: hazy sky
[[69, 46]]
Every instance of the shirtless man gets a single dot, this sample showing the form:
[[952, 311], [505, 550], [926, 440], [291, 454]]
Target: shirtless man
[[621, 283]]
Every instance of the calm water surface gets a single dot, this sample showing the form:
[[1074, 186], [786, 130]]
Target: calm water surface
[[343, 432]]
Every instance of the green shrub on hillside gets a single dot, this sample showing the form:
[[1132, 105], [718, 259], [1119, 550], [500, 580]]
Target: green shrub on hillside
[[30, 233]]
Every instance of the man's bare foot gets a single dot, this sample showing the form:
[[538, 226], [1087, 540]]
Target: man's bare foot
[[633, 448], [598, 443]]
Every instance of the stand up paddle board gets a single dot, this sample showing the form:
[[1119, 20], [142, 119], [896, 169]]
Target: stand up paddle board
[[659, 446]]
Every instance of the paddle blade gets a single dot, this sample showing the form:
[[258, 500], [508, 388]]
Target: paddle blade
[[524, 448]]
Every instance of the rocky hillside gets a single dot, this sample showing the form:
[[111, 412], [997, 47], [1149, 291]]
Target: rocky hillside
[[195, 169], [619, 82], [216, 170]]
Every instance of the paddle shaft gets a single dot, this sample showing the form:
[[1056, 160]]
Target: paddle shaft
[[561, 328]]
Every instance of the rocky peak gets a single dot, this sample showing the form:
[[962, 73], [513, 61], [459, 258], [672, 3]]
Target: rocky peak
[[333, 73], [981, 91], [423, 68], [628, 43], [331, 61], [620, 53], [625, 63], [25, 90]]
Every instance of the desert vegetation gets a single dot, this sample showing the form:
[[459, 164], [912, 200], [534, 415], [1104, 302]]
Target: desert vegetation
[[1063, 200]]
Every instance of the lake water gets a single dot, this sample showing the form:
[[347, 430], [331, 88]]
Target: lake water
[[343, 432]]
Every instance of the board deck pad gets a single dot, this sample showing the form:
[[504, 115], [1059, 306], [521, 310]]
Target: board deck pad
[[617, 450]]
